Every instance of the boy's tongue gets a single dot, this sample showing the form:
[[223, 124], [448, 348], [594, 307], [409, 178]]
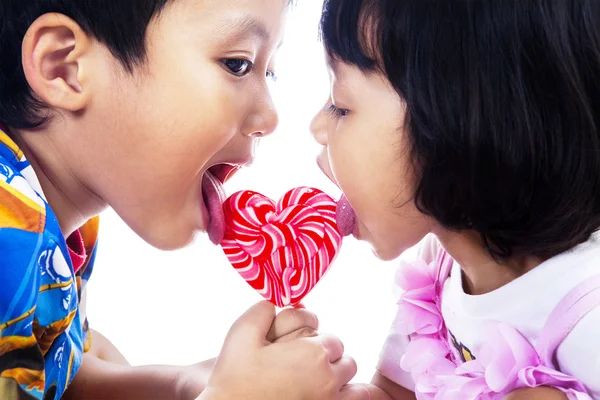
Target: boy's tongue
[[214, 196], [345, 217]]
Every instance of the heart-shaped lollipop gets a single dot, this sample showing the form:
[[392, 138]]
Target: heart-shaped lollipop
[[281, 249]]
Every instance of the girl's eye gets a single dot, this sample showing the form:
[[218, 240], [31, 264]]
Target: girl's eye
[[238, 66], [337, 112], [271, 75]]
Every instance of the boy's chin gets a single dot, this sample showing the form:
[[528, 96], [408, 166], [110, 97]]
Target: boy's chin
[[168, 241]]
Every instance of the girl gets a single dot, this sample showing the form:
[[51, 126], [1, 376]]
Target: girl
[[473, 128]]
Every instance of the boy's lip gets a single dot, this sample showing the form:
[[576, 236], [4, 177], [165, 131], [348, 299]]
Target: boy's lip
[[213, 195], [225, 170]]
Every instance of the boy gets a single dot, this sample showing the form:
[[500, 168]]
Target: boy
[[147, 107]]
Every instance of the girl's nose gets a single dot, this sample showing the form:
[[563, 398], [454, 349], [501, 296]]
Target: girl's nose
[[318, 126]]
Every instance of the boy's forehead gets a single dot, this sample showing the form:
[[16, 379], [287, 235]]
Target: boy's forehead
[[232, 20]]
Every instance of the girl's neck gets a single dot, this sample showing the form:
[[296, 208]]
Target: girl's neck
[[482, 274]]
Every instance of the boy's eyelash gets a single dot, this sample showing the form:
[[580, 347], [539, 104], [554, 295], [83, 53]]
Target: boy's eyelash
[[337, 112], [238, 66], [241, 67]]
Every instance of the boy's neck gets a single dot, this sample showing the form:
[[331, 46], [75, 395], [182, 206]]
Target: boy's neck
[[481, 273], [71, 201]]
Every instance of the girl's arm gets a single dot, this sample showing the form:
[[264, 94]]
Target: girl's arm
[[385, 389], [539, 393], [381, 388]]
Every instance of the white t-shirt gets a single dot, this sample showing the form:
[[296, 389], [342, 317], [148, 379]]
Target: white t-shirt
[[525, 304]]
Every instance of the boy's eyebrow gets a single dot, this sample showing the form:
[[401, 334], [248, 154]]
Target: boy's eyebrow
[[241, 28]]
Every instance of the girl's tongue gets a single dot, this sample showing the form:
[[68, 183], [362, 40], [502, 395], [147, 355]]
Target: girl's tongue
[[345, 217], [214, 196]]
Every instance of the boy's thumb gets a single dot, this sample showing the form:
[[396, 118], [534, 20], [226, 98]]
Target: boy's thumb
[[252, 327]]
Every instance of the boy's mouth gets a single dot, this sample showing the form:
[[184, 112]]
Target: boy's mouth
[[213, 194]]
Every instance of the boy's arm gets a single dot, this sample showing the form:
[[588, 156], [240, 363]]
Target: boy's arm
[[106, 374], [100, 379]]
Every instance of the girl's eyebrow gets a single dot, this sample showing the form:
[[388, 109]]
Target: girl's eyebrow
[[334, 66]]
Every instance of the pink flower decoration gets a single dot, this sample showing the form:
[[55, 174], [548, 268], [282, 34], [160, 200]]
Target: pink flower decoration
[[503, 355], [544, 376], [422, 353], [418, 311], [427, 360], [510, 362], [468, 382], [506, 361]]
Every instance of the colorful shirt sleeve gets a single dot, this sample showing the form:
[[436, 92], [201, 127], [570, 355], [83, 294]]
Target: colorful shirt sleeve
[[41, 334]]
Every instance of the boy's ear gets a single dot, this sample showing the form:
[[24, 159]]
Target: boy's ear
[[53, 54]]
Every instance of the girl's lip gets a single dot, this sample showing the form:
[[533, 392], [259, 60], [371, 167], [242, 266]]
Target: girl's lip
[[323, 164], [346, 218]]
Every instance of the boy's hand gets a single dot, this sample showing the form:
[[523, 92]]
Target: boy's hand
[[251, 367], [293, 323], [289, 324]]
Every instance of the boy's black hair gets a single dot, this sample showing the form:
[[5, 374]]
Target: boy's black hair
[[119, 24], [503, 110]]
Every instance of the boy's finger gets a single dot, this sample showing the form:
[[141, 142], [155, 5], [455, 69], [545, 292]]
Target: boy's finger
[[345, 369], [252, 327], [291, 320], [333, 346], [300, 333]]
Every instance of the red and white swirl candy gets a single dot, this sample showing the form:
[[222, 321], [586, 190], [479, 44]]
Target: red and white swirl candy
[[281, 249]]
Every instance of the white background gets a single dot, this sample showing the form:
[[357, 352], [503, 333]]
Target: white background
[[176, 307]]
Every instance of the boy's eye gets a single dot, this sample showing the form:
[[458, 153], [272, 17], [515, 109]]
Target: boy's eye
[[238, 66], [337, 112]]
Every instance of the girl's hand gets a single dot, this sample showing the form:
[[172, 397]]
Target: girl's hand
[[251, 367]]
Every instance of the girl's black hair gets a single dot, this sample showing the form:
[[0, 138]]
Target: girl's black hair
[[503, 110]]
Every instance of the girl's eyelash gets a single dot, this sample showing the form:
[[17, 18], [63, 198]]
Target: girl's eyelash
[[337, 112], [272, 76]]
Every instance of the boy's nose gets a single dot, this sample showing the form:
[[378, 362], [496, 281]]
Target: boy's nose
[[264, 121], [318, 126]]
